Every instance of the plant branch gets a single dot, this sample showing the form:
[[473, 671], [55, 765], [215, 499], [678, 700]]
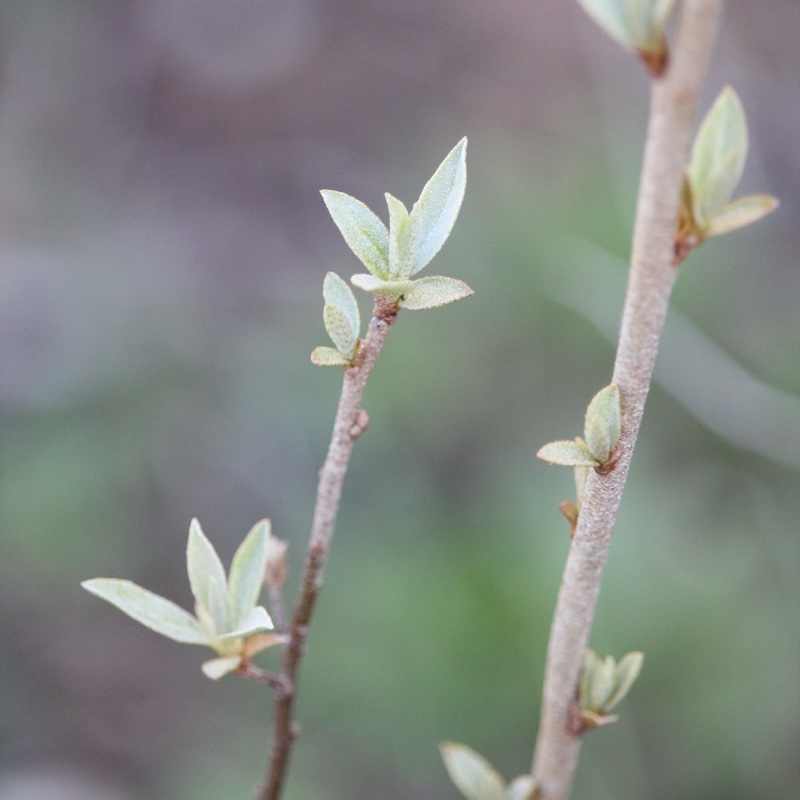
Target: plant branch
[[652, 274], [351, 421]]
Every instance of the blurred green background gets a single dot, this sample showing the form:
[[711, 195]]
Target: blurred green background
[[162, 250]]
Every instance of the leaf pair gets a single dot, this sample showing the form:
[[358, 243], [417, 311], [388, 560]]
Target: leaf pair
[[718, 157], [604, 682], [228, 619], [638, 25], [392, 256], [342, 321], [601, 435], [477, 779]]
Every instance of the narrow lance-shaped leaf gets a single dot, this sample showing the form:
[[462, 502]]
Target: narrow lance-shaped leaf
[[401, 240], [207, 576], [471, 773], [363, 231], [434, 214], [218, 606], [247, 573], [149, 609], [718, 156]]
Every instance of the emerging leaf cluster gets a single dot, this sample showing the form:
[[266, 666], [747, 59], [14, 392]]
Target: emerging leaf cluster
[[477, 779], [601, 434], [393, 255], [227, 618], [604, 682], [717, 162]]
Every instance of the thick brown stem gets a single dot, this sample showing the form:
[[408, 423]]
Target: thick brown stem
[[672, 112], [351, 421]]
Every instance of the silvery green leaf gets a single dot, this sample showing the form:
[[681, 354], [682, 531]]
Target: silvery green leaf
[[246, 577], [218, 606], [522, 788], [328, 357], [434, 214], [612, 16], [602, 424], [433, 292], [151, 610], [635, 24], [216, 668], [341, 330], [402, 242], [718, 157], [207, 576], [377, 286], [597, 682], [740, 212], [471, 773], [625, 674], [363, 231], [568, 454], [344, 325], [257, 620]]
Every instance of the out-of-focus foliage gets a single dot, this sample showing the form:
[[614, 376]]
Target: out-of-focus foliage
[[163, 247]]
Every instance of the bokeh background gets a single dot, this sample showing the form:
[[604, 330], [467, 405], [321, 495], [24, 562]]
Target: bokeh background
[[162, 250]]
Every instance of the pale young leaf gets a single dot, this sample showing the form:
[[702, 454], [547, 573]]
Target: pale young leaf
[[568, 454], [612, 17], [339, 295], [471, 773], [328, 357], [340, 329], [522, 787], [434, 214], [718, 157], [635, 24], [218, 606], [597, 682], [149, 609], [216, 668], [257, 620], [246, 577], [207, 576], [602, 423], [740, 212], [363, 231], [433, 292], [625, 674], [401, 240]]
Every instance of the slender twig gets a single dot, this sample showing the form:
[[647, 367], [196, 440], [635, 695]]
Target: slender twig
[[672, 112], [351, 421]]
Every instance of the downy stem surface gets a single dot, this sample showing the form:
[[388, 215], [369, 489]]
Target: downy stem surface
[[652, 274], [351, 421]]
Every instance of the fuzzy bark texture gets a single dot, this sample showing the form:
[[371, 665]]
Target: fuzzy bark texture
[[652, 274]]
